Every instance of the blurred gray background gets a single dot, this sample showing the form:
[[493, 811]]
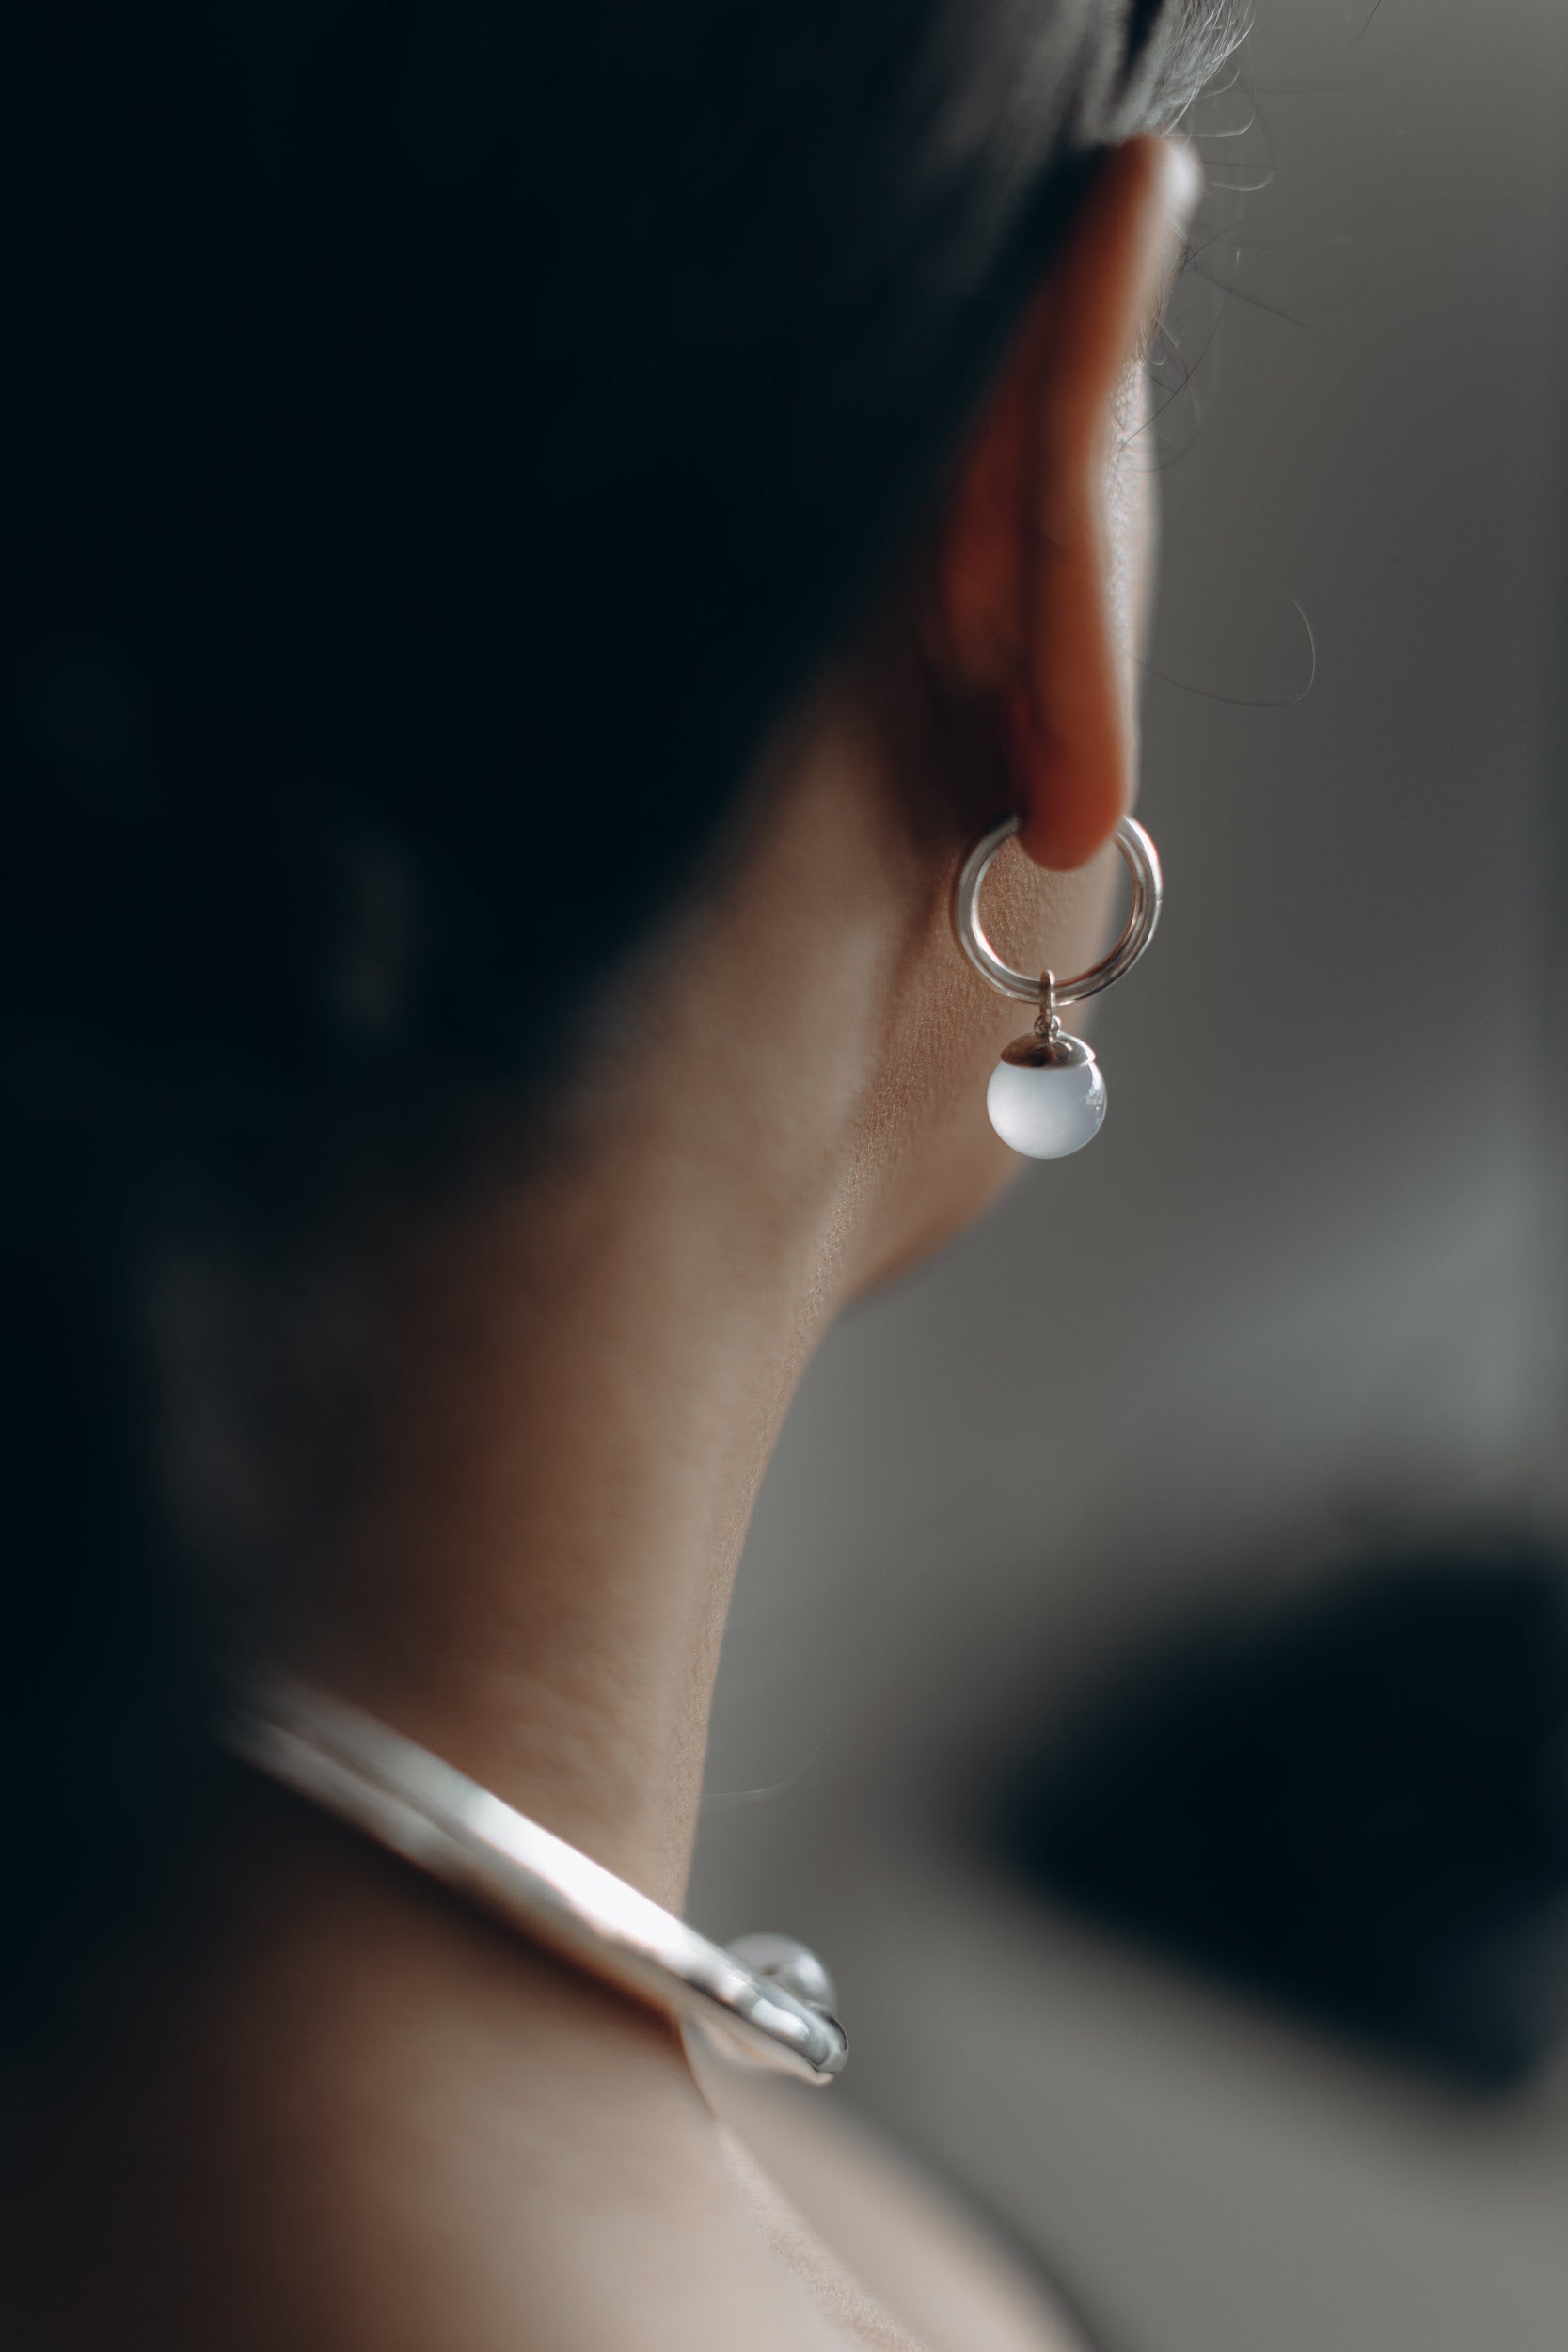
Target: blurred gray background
[[1305, 1287]]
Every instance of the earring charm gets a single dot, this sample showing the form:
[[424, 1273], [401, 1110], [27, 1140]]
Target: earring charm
[[1047, 1095]]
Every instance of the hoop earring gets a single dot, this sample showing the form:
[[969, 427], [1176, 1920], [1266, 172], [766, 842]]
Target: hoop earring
[[1046, 1096]]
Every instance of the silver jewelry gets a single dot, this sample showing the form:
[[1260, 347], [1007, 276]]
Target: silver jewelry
[[766, 1997], [1046, 1096]]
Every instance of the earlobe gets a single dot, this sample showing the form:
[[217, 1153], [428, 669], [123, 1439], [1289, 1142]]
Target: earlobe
[[1031, 610]]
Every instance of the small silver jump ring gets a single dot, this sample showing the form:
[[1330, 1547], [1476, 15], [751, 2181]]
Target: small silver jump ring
[[1048, 1021], [1143, 864]]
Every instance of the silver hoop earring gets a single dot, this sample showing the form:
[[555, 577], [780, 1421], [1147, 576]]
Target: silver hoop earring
[[1046, 1096]]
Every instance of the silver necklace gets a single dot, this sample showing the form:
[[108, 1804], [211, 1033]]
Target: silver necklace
[[766, 1997]]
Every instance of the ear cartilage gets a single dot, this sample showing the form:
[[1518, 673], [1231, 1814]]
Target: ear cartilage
[[1047, 1097]]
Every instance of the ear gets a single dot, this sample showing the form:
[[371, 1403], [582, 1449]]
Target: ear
[[1027, 585]]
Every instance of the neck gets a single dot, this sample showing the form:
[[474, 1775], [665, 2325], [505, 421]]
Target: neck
[[538, 1588], [589, 1372]]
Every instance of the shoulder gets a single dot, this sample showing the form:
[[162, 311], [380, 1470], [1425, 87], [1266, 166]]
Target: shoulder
[[883, 2246]]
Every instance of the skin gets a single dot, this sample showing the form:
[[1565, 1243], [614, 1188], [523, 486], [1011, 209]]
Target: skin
[[329, 2107]]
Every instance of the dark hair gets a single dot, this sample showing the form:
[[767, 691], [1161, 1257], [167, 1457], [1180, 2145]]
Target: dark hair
[[445, 440]]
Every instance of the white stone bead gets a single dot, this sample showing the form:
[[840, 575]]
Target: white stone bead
[[1046, 1110]]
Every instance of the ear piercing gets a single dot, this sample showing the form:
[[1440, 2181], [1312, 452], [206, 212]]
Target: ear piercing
[[1046, 1096]]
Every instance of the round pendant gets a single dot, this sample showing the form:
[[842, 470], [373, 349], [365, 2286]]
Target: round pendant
[[1046, 1096], [793, 1965]]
